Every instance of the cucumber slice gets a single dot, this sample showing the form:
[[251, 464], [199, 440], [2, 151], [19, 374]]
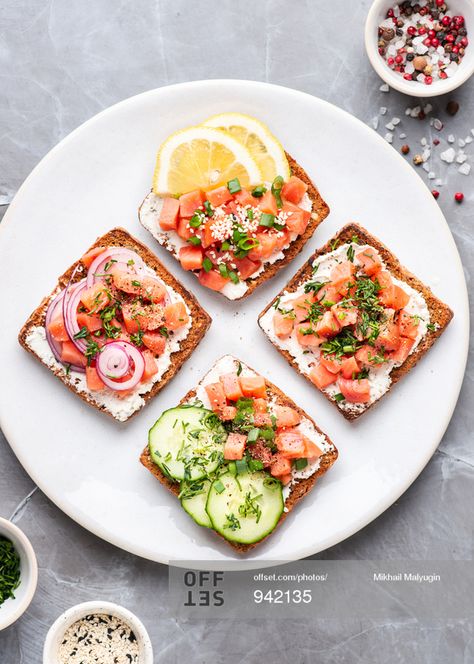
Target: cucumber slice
[[245, 508], [187, 442], [194, 499]]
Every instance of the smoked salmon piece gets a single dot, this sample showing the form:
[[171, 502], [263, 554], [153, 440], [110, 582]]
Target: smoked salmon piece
[[321, 377], [282, 325], [370, 261], [294, 190], [175, 315], [231, 385], [234, 446], [286, 416], [355, 391], [169, 214]]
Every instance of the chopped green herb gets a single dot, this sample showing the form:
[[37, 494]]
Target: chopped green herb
[[223, 271], [250, 507], [196, 220], [350, 253], [241, 466], [164, 331], [232, 522], [208, 209], [194, 240], [431, 327], [219, 487], [300, 464], [239, 369], [82, 334], [225, 246], [250, 214], [255, 464], [276, 190], [267, 220], [207, 264], [253, 435], [339, 397], [259, 191], [9, 569], [234, 186], [234, 277]]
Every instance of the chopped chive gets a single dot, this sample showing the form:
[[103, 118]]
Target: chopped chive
[[267, 220], [234, 277], [208, 209], [250, 214], [219, 487], [339, 397], [276, 190], [223, 271], [234, 186], [207, 264], [259, 191], [300, 464], [225, 246], [253, 435], [195, 240]]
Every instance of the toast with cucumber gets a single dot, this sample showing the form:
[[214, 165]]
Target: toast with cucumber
[[238, 453]]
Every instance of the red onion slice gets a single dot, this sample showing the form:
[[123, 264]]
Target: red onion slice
[[72, 297], [115, 360], [55, 346], [119, 254]]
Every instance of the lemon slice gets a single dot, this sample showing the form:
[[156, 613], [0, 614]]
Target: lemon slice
[[202, 158], [259, 141]]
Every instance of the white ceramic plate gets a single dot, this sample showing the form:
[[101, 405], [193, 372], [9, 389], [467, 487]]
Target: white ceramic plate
[[94, 180]]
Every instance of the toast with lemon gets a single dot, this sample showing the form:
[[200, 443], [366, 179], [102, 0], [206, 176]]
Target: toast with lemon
[[230, 204]]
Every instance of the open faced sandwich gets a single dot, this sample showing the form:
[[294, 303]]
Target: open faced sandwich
[[353, 320], [237, 453], [230, 204], [117, 326]]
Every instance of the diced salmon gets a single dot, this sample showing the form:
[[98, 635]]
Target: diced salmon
[[191, 258], [321, 377], [403, 351], [408, 325], [175, 315], [312, 451], [184, 230], [285, 479], [297, 219], [260, 405], [96, 298], [389, 337], [189, 203], [370, 261], [268, 204], [281, 466], [301, 306], [290, 444], [390, 294], [262, 420], [355, 391], [342, 277], [294, 190], [244, 198], [306, 335], [328, 326], [228, 413], [286, 417], [231, 207], [57, 328], [155, 341], [93, 380], [90, 256], [282, 325], [146, 287], [234, 447], [261, 452], [266, 246], [400, 298], [92, 322], [349, 367], [219, 196], [331, 363], [216, 395], [71, 355], [169, 214], [212, 280], [207, 233], [253, 386], [151, 367], [231, 385], [345, 315], [365, 356], [246, 267], [282, 239], [328, 294]]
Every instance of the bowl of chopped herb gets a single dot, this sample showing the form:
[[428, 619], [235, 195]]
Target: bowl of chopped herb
[[18, 573]]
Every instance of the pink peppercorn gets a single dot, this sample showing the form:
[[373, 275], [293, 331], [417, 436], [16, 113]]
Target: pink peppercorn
[[435, 42], [398, 59], [411, 31], [450, 38], [440, 2], [407, 77], [428, 80], [464, 41], [427, 41], [435, 193], [459, 197], [390, 61], [422, 30], [446, 20]]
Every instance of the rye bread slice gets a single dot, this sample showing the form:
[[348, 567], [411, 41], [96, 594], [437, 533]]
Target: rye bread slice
[[300, 488], [201, 319], [440, 313], [319, 212]]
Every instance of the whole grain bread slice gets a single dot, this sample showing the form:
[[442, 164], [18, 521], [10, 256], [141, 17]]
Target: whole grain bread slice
[[201, 320], [299, 489], [319, 212], [440, 313]]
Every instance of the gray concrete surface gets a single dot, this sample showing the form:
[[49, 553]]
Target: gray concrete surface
[[63, 62]]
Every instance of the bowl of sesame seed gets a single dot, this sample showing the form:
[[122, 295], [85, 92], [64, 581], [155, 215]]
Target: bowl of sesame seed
[[101, 632], [421, 47]]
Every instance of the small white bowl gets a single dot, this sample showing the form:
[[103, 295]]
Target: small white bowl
[[57, 630], [12, 609], [395, 80]]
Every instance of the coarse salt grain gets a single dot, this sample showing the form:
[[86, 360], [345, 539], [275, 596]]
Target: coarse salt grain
[[464, 169], [461, 157], [389, 137], [451, 138], [448, 155]]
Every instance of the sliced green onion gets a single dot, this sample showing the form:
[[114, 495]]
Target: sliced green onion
[[241, 466], [276, 190], [253, 435], [225, 246], [208, 209], [234, 186], [267, 220], [223, 271], [207, 264], [219, 487], [259, 191], [232, 468], [234, 277], [300, 464], [250, 214], [195, 221], [339, 397], [255, 464], [194, 239]]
